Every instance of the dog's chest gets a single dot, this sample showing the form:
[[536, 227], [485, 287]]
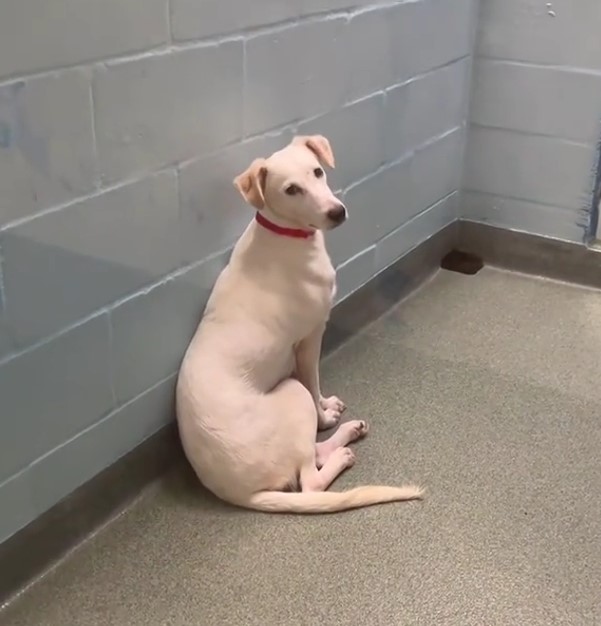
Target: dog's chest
[[316, 291]]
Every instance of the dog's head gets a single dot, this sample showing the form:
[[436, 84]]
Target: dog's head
[[291, 185]]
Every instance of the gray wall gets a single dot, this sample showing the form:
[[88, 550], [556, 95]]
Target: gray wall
[[535, 116], [122, 124]]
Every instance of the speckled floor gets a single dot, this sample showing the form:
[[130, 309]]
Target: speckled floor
[[486, 390]]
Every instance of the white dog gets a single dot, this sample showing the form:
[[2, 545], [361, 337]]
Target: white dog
[[248, 397]]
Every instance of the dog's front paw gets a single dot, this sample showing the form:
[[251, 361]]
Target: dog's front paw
[[330, 409], [327, 419], [333, 404]]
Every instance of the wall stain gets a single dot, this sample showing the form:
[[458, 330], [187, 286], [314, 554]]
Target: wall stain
[[15, 130], [5, 134], [593, 222]]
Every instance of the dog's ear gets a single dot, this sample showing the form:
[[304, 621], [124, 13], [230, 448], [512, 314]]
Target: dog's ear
[[251, 183], [320, 146]]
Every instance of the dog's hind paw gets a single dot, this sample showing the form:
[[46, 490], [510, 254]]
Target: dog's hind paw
[[359, 429], [345, 457]]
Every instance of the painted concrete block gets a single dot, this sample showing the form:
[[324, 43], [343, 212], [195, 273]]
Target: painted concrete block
[[540, 219], [42, 35], [419, 228], [212, 212], [529, 167], [16, 504], [356, 133], [437, 102], [397, 204], [426, 107], [324, 68], [406, 24], [355, 272], [376, 206], [191, 19], [65, 265], [566, 33], [541, 100], [288, 80], [436, 171], [322, 6], [324, 63], [273, 89], [429, 34], [46, 143], [6, 337], [52, 392], [151, 332], [370, 52], [170, 107], [81, 458], [396, 139]]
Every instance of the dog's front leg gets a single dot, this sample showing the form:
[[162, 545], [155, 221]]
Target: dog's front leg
[[308, 351]]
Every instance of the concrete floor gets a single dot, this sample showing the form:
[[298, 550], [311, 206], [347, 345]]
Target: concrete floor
[[485, 389]]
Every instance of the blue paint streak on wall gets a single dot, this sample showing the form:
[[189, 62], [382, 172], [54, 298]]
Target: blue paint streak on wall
[[5, 134], [15, 132], [6, 117], [591, 233]]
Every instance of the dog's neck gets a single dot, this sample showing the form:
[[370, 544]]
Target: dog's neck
[[282, 230]]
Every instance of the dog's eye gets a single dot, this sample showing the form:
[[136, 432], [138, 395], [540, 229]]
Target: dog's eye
[[318, 172], [292, 190]]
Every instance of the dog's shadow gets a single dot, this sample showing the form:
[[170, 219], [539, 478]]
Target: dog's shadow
[[182, 489]]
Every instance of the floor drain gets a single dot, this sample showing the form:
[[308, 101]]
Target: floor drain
[[462, 262]]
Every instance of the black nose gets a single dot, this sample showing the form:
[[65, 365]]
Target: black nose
[[337, 214]]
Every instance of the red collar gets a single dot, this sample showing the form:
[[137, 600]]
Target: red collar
[[296, 233]]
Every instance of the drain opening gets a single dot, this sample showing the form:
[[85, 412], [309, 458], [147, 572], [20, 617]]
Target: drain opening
[[462, 262]]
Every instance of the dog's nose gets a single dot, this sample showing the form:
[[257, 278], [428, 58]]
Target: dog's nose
[[337, 214]]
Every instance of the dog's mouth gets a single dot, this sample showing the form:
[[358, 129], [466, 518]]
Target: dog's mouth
[[332, 224]]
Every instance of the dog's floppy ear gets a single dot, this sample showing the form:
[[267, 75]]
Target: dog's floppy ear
[[320, 146], [251, 183]]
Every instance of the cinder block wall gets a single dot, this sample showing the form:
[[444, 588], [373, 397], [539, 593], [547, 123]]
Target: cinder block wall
[[122, 124], [535, 117]]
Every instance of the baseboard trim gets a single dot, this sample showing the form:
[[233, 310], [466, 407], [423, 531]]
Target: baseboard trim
[[33, 550], [531, 254]]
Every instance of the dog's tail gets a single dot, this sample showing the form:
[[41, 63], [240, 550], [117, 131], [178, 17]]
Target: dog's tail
[[329, 501]]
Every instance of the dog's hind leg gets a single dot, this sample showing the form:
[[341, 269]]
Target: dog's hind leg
[[346, 433], [313, 479]]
